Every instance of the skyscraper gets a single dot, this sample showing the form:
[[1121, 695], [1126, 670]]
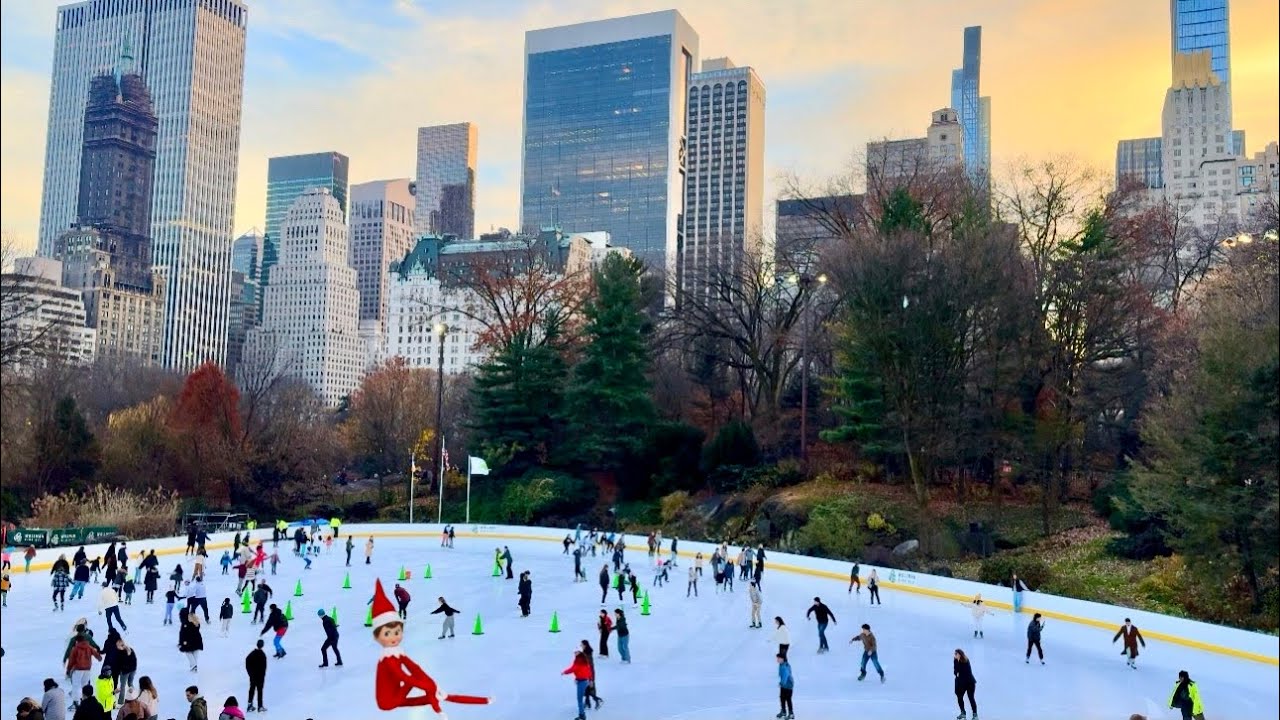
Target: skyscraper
[[605, 127], [1202, 25], [107, 255], [974, 109], [382, 216], [246, 297], [724, 187], [310, 318], [288, 177], [446, 187], [191, 55]]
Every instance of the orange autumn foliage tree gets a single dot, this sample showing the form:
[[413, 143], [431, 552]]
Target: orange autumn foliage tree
[[206, 424]]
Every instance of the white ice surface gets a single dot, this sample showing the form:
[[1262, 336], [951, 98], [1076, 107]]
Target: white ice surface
[[694, 659]]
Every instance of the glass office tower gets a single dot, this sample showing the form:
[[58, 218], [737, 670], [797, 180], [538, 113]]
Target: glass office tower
[[1203, 25], [604, 130], [288, 178], [973, 109]]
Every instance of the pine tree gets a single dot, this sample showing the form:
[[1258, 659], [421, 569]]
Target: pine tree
[[610, 403]]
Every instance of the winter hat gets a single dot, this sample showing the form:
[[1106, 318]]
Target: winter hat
[[384, 612], [320, 613]]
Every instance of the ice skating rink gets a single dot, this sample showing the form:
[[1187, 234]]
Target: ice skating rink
[[693, 658]]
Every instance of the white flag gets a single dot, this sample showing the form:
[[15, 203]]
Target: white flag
[[477, 466]]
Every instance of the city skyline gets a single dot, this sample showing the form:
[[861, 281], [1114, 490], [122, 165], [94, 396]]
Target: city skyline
[[831, 89]]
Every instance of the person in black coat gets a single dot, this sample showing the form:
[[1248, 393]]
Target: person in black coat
[[151, 582], [965, 682], [330, 640], [449, 612], [89, 707], [604, 588], [525, 590], [255, 666]]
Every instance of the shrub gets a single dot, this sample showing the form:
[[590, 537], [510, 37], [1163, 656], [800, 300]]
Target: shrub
[[361, 511], [734, 444], [877, 524], [675, 505], [831, 531], [135, 514], [998, 569]]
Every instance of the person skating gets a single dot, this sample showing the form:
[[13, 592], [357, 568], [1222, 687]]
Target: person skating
[[869, 652], [786, 686], [1033, 637], [109, 604], [79, 661], [368, 551], [191, 641], [635, 588], [150, 583], [692, 587], [175, 577], [873, 587], [593, 690], [88, 708], [447, 627], [781, 635], [854, 581], [225, 613], [148, 697], [260, 597], [351, 544], [197, 597], [965, 683], [124, 666], [402, 601], [231, 710], [624, 636], [979, 610], [104, 689], [255, 666], [506, 557], [578, 574], [1018, 587], [1132, 637], [199, 709], [604, 624], [171, 597], [79, 579], [753, 594], [276, 622], [525, 592], [581, 672], [225, 562], [604, 584], [823, 615], [60, 582], [1186, 697], [330, 640], [54, 701]]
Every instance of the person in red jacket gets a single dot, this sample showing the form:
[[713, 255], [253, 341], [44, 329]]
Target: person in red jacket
[[1132, 637], [581, 672], [397, 675], [402, 602]]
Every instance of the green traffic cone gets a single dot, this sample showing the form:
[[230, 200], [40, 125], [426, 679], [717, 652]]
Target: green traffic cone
[[401, 578], [368, 617], [555, 622], [478, 629], [644, 604], [244, 602], [288, 611], [346, 582], [297, 589], [334, 614], [427, 575]]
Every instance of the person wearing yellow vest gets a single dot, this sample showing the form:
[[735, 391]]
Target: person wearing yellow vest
[[1186, 697], [336, 524], [105, 689]]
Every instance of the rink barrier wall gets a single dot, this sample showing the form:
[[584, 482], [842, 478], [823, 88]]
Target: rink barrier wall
[[1206, 637]]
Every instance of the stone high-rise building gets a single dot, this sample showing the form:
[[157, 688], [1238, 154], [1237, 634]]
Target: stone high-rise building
[[942, 147], [191, 57]]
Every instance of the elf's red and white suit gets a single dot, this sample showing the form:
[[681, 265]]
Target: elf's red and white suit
[[398, 675]]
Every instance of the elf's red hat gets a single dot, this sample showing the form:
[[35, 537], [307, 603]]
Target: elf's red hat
[[383, 611]]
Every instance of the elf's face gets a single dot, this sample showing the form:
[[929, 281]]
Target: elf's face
[[389, 636]]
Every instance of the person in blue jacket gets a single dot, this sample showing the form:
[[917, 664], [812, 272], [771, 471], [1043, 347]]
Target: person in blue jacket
[[786, 685]]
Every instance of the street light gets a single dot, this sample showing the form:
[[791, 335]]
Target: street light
[[441, 330], [805, 281]]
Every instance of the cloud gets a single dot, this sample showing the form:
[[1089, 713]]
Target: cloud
[[1064, 78]]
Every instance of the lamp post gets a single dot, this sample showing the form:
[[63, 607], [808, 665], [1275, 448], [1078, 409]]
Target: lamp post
[[441, 330], [805, 281]]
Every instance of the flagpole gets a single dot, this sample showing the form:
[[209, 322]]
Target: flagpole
[[413, 471], [468, 489]]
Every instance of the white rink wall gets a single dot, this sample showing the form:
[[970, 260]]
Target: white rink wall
[[1253, 646]]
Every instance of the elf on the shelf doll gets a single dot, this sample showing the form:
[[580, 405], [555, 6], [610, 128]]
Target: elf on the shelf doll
[[398, 676]]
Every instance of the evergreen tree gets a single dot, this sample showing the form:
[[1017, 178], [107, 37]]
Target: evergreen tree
[[610, 403], [518, 396], [67, 452]]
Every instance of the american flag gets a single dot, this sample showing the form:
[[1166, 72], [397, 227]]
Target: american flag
[[446, 458]]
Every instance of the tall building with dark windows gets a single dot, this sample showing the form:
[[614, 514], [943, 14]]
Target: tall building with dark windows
[[446, 187], [191, 56], [973, 109], [288, 177], [724, 186], [106, 256], [605, 125]]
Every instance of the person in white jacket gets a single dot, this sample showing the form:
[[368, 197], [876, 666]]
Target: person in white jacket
[[753, 592], [782, 636], [979, 610], [109, 604]]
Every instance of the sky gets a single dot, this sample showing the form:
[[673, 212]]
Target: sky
[[1066, 77]]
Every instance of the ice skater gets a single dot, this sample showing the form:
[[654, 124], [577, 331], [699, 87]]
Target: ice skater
[[786, 685], [823, 615], [604, 625], [873, 587], [255, 666], [1034, 629], [782, 636], [190, 641], [330, 640], [225, 613], [449, 612], [277, 622], [624, 636], [402, 602], [869, 652], [593, 692], [753, 594], [581, 672], [965, 683], [979, 610], [693, 583], [1132, 637], [351, 545], [604, 587], [855, 583], [525, 592], [1018, 587], [368, 551]]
